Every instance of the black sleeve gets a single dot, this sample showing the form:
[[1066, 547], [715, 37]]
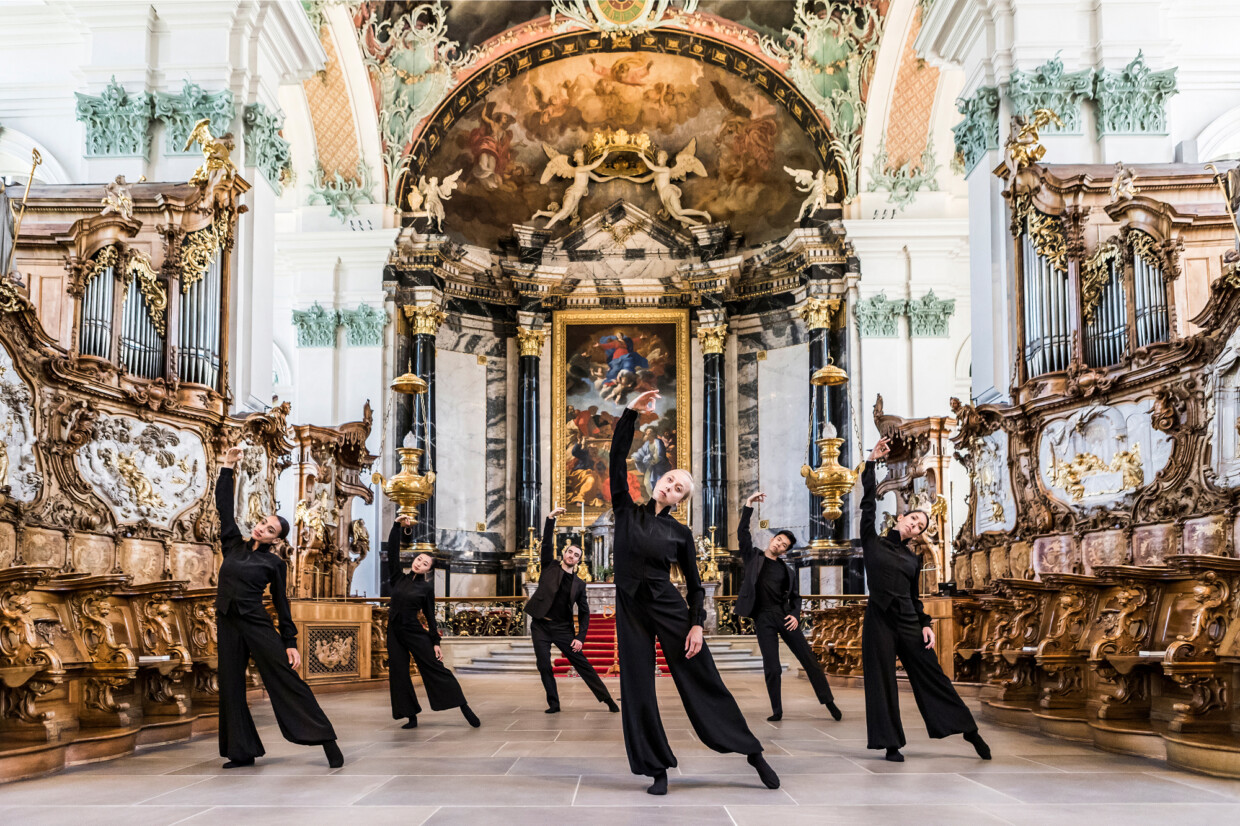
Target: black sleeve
[[868, 503], [915, 594], [743, 537], [428, 611], [279, 598], [548, 544], [695, 594], [618, 465], [794, 593], [583, 615], [395, 566], [224, 505]]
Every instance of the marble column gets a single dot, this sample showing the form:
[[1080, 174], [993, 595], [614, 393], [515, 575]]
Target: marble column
[[817, 313], [424, 321], [714, 441], [530, 340]]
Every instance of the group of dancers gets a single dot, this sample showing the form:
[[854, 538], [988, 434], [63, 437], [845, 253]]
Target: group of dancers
[[648, 541]]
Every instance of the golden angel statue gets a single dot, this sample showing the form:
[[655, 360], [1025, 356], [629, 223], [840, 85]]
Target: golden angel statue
[[426, 199], [820, 187], [662, 175], [116, 198], [1022, 144], [217, 167], [581, 173], [1124, 184]]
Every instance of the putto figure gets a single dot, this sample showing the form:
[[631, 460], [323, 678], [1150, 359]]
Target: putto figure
[[427, 198], [581, 173], [821, 186], [662, 175]]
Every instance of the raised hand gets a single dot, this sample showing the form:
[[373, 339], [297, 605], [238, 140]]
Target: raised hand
[[232, 456], [405, 521], [555, 513], [880, 450], [757, 497], [645, 401]]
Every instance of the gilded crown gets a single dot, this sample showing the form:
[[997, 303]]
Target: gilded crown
[[626, 152]]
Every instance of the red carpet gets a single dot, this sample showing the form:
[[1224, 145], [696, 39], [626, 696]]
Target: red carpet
[[600, 648]]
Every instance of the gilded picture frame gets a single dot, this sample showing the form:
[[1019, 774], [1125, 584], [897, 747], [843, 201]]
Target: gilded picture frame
[[602, 359]]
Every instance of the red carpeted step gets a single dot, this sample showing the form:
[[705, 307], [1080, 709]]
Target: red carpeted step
[[600, 648]]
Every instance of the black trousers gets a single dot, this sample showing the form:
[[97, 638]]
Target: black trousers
[[769, 628], [442, 689], [545, 634], [658, 610], [894, 633], [301, 720]]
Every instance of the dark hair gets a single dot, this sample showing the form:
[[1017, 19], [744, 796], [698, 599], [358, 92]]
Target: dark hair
[[283, 527], [923, 513], [424, 553], [792, 539], [570, 546]]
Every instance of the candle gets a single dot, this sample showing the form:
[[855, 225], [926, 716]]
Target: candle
[[583, 519], [829, 431]]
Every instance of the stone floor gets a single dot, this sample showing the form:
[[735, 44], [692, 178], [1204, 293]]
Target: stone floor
[[523, 766]]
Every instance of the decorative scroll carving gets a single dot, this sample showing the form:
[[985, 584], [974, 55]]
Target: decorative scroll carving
[[1050, 87], [1132, 101], [265, 147], [1095, 275], [978, 133], [117, 123], [905, 181], [877, 315], [316, 327], [365, 325], [181, 112]]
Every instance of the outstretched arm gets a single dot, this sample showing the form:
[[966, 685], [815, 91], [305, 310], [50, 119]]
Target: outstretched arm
[[224, 499], [869, 489], [621, 441], [548, 539], [743, 537], [395, 566]]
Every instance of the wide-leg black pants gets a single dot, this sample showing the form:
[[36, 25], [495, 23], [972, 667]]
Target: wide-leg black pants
[[885, 636], [545, 634], [301, 720], [658, 610], [769, 628], [442, 689]]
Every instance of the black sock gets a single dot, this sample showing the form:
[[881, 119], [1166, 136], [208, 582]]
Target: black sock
[[470, 717], [611, 705], [236, 764], [776, 717], [979, 745], [334, 758], [659, 786], [413, 722], [769, 778], [834, 709], [894, 755]]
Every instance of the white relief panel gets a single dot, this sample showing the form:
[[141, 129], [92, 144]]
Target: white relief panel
[[18, 469], [996, 504]]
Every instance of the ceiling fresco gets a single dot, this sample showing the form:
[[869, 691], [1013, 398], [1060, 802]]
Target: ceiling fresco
[[744, 140]]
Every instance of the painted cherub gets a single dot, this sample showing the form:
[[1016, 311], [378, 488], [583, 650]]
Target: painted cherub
[[558, 165]]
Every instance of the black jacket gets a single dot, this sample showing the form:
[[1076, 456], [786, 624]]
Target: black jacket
[[647, 543], [247, 572], [752, 558], [411, 594], [891, 568], [549, 581]]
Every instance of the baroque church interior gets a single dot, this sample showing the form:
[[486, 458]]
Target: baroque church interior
[[402, 273]]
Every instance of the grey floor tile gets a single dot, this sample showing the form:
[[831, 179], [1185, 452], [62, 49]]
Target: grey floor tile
[[1095, 787], [866, 789], [595, 816], [909, 814], [272, 790], [94, 815], [413, 765], [1119, 814], [467, 790], [312, 816], [684, 790]]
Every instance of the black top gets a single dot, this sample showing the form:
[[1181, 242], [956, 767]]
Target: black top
[[748, 601], [562, 606], [552, 582], [647, 543], [247, 571], [891, 568], [410, 595], [772, 585]]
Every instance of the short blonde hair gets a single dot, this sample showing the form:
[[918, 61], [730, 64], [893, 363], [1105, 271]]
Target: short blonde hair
[[689, 482]]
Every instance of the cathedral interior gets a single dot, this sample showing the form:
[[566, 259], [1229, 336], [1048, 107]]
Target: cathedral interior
[[420, 256]]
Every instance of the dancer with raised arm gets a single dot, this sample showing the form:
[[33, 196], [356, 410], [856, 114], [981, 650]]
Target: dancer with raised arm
[[551, 606], [412, 631], [244, 630], [648, 541], [771, 595], [896, 625]]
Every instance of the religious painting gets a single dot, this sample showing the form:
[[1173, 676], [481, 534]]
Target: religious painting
[[744, 139], [604, 359]]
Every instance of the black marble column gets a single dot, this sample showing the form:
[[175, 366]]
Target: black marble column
[[714, 442], [424, 321], [402, 424], [529, 437], [817, 315]]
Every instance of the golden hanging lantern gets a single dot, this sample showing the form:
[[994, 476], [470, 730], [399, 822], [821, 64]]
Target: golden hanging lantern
[[829, 376], [408, 489], [830, 480]]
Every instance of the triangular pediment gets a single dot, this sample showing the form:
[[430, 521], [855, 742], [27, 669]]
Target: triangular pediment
[[626, 231]]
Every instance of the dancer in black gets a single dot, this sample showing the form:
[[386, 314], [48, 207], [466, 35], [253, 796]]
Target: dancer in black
[[771, 595], [413, 594], [896, 625], [551, 607], [648, 541], [244, 630]]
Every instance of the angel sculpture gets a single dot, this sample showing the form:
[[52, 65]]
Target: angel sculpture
[[116, 198], [821, 187], [426, 199], [217, 167], [1124, 184], [669, 193], [1023, 147], [581, 174]]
